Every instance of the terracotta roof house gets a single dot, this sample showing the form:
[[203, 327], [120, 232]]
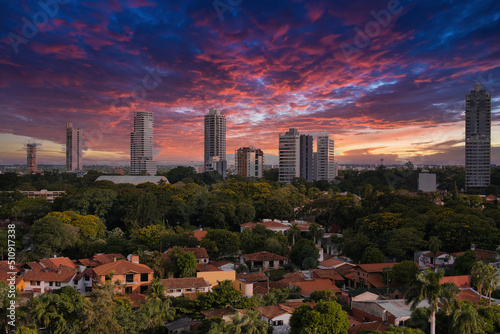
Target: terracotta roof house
[[18, 281], [264, 260], [108, 258], [308, 286], [462, 281], [394, 312], [48, 280], [202, 267], [359, 326], [133, 277], [176, 287], [278, 316], [247, 282], [200, 234], [55, 262], [331, 274], [331, 263], [367, 275], [200, 253]]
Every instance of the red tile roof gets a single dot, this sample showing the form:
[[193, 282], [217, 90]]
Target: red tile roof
[[35, 266], [469, 295], [219, 312], [89, 263], [200, 234], [345, 269], [63, 274], [4, 276], [331, 274], [107, 258], [6, 267], [273, 311], [484, 255], [201, 267], [186, 282], [252, 277], [121, 267], [274, 225], [263, 256], [260, 288], [307, 287], [357, 326], [136, 298], [54, 262], [376, 267], [461, 281], [87, 272], [331, 263]]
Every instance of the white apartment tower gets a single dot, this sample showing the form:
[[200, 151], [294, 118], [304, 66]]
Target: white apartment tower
[[325, 161], [477, 138], [289, 156], [73, 148], [215, 142], [249, 162], [141, 145]]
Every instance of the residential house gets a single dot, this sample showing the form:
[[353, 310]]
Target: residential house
[[245, 282], [331, 263], [309, 286], [394, 312], [213, 275], [330, 274], [44, 280], [131, 277], [367, 276], [176, 287], [200, 253], [264, 260], [278, 316]]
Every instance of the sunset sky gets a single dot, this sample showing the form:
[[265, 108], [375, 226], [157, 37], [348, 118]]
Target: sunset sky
[[268, 65]]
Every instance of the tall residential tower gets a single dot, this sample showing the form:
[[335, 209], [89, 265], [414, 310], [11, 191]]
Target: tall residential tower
[[477, 138], [73, 148], [215, 142], [141, 145], [289, 156], [31, 158], [325, 161], [249, 162]]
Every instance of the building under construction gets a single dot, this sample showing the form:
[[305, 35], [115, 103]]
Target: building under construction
[[31, 150]]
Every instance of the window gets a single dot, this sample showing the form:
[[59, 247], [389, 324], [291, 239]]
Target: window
[[143, 288], [128, 290], [144, 277], [278, 323], [50, 283], [58, 283], [271, 264], [129, 278], [87, 278]]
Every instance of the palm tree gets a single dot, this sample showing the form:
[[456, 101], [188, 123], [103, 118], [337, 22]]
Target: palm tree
[[466, 319], [426, 286], [294, 232], [478, 276], [248, 323], [315, 231], [434, 246], [153, 313], [157, 289], [491, 281]]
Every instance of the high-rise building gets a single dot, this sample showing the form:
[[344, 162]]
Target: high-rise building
[[325, 161], [249, 162], [215, 142], [31, 152], [141, 145], [73, 148], [289, 156], [477, 138], [306, 157]]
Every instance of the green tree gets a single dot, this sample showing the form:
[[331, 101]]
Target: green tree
[[325, 295], [94, 201], [51, 236], [294, 233], [221, 295], [373, 255], [89, 226], [463, 264], [31, 209], [221, 243], [324, 318], [181, 263], [315, 231], [153, 314], [434, 246], [305, 254], [355, 244], [404, 242], [465, 319], [98, 312], [58, 312], [404, 272], [484, 277], [426, 286]]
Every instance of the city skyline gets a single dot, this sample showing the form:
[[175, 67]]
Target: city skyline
[[267, 67]]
